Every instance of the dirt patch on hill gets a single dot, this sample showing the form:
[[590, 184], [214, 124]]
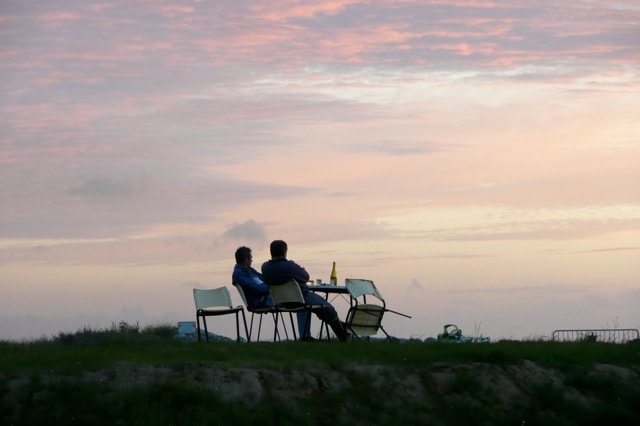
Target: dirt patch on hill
[[504, 387]]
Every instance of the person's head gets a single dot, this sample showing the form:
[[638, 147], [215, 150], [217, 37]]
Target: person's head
[[278, 249], [243, 256]]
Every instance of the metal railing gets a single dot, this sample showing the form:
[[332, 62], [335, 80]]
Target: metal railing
[[608, 335]]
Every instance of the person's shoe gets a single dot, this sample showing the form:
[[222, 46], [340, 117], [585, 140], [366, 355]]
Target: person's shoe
[[347, 337], [308, 339], [340, 330]]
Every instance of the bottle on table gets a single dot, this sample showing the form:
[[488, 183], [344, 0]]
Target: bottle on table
[[334, 276]]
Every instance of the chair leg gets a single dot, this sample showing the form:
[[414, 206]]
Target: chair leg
[[251, 326], [275, 320], [276, 332], [206, 331], [293, 327], [286, 333], [237, 328], [324, 326], [307, 325], [246, 330], [198, 322], [385, 332], [259, 328]]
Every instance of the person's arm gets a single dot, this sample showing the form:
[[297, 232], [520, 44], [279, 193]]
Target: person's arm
[[243, 278], [298, 272]]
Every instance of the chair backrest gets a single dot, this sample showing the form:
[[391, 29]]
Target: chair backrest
[[212, 297], [287, 295], [365, 319], [358, 288], [242, 295]]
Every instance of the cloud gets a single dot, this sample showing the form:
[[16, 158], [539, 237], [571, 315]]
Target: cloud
[[458, 256], [105, 188], [137, 133], [545, 289], [399, 147], [501, 223], [250, 231], [416, 285], [605, 250], [114, 205]]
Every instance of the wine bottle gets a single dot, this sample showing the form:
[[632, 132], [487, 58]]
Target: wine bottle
[[334, 276]]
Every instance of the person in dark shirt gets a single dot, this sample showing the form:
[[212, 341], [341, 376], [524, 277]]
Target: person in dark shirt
[[252, 283], [279, 270]]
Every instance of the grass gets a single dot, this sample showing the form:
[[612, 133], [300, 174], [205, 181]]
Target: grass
[[93, 353], [44, 382]]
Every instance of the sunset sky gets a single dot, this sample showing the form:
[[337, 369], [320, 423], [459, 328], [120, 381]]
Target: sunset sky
[[479, 160]]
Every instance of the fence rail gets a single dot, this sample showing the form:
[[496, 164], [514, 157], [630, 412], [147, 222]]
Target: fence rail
[[609, 335]]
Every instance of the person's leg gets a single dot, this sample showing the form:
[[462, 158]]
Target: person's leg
[[303, 322], [327, 314]]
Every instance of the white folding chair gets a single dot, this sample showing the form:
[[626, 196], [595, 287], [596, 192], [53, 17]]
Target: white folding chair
[[216, 302], [287, 297], [364, 318], [261, 310]]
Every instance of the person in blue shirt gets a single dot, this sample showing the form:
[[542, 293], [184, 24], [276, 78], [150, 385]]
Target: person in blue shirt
[[251, 281], [279, 270], [254, 287]]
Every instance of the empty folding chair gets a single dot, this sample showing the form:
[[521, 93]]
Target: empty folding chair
[[216, 302], [364, 318]]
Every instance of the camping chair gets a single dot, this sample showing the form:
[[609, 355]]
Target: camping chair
[[260, 310], [364, 318], [287, 297], [218, 298]]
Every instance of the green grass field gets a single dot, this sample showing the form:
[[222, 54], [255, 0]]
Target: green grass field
[[129, 376]]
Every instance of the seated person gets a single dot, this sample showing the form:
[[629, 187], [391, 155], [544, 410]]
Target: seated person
[[279, 270], [252, 283]]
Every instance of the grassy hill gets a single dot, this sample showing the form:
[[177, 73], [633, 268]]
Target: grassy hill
[[129, 376]]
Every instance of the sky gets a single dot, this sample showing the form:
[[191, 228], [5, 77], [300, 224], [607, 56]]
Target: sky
[[478, 160]]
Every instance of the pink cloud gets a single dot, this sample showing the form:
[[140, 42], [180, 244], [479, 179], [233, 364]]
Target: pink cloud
[[59, 16], [284, 10], [173, 10]]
